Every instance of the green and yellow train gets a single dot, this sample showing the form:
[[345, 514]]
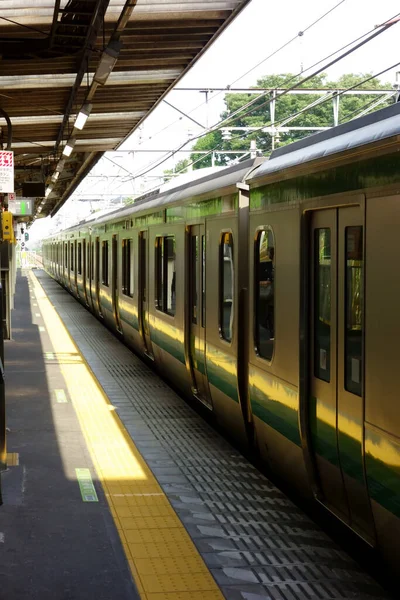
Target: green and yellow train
[[270, 292]]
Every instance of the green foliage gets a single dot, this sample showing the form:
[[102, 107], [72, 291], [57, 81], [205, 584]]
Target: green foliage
[[286, 106], [180, 168]]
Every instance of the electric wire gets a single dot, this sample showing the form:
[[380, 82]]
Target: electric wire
[[260, 129], [271, 55], [239, 114]]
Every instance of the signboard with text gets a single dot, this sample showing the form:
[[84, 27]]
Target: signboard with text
[[21, 207], [6, 171]]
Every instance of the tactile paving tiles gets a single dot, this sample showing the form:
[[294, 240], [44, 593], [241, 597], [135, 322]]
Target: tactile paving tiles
[[257, 544]]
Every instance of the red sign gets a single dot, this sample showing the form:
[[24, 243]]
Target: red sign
[[6, 171]]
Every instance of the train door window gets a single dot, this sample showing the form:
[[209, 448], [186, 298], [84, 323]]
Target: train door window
[[226, 287], [166, 274], [194, 272], [92, 261], [264, 293], [354, 309], [79, 258], [71, 250], [65, 256], [104, 263], [322, 302], [127, 267], [203, 280]]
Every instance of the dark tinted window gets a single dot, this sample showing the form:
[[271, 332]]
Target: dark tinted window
[[322, 303], [79, 258], [166, 274], [104, 263], [127, 267], [264, 278], [226, 288], [354, 310], [71, 249]]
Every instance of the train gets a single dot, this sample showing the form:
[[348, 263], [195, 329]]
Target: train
[[269, 292]]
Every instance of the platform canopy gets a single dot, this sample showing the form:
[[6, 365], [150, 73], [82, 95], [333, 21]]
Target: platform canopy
[[109, 59]]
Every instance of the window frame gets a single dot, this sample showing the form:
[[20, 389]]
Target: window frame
[[105, 274], [79, 258], [221, 272], [256, 295], [161, 275], [127, 268]]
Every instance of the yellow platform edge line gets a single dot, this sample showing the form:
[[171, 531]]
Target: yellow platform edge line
[[164, 562]]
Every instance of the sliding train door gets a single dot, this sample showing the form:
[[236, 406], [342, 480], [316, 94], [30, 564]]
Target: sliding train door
[[197, 314], [336, 369], [144, 325]]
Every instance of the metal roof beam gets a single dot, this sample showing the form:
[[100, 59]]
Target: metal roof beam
[[94, 27]]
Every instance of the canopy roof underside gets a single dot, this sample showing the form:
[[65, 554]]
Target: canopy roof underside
[[49, 53]]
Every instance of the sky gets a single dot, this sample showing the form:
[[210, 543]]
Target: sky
[[260, 29]]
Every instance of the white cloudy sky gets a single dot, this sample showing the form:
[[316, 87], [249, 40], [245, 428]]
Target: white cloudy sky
[[261, 28]]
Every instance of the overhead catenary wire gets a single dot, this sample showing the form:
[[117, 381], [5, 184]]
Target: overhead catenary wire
[[293, 115], [384, 27], [264, 60]]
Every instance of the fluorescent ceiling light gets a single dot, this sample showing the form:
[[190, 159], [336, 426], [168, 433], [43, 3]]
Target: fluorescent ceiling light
[[49, 189], [55, 176], [69, 146], [83, 116], [107, 62], [60, 165]]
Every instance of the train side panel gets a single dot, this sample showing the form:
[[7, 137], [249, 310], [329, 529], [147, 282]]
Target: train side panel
[[382, 416]]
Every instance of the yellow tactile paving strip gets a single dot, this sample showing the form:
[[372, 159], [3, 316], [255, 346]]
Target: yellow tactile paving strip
[[164, 562]]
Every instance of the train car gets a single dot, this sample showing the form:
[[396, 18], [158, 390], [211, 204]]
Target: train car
[[269, 292]]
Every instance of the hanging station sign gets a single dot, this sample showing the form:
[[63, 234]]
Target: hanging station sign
[[20, 207], [6, 171]]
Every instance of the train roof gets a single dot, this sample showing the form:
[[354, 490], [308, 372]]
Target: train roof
[[214, 183], [374, 127]]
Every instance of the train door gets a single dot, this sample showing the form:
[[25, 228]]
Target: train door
[[197, 314], [97, 274], [144, 326], [337, 365], [114, 282]]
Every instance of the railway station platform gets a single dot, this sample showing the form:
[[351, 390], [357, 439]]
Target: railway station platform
[[117, 490]]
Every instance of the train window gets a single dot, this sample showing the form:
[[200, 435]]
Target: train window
[[166, 274], [354, 309], [203, 280], [322, 303], [92, 261], [226, 287], [79, 258], [65, 256], [127, 267], [264, 293], [71, 250], [194, 278], [104, 263]]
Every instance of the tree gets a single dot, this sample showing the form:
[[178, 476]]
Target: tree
[[180, 167], [288, 105]]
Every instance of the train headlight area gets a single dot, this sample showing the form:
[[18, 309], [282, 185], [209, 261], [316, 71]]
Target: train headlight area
[[267, 294]]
